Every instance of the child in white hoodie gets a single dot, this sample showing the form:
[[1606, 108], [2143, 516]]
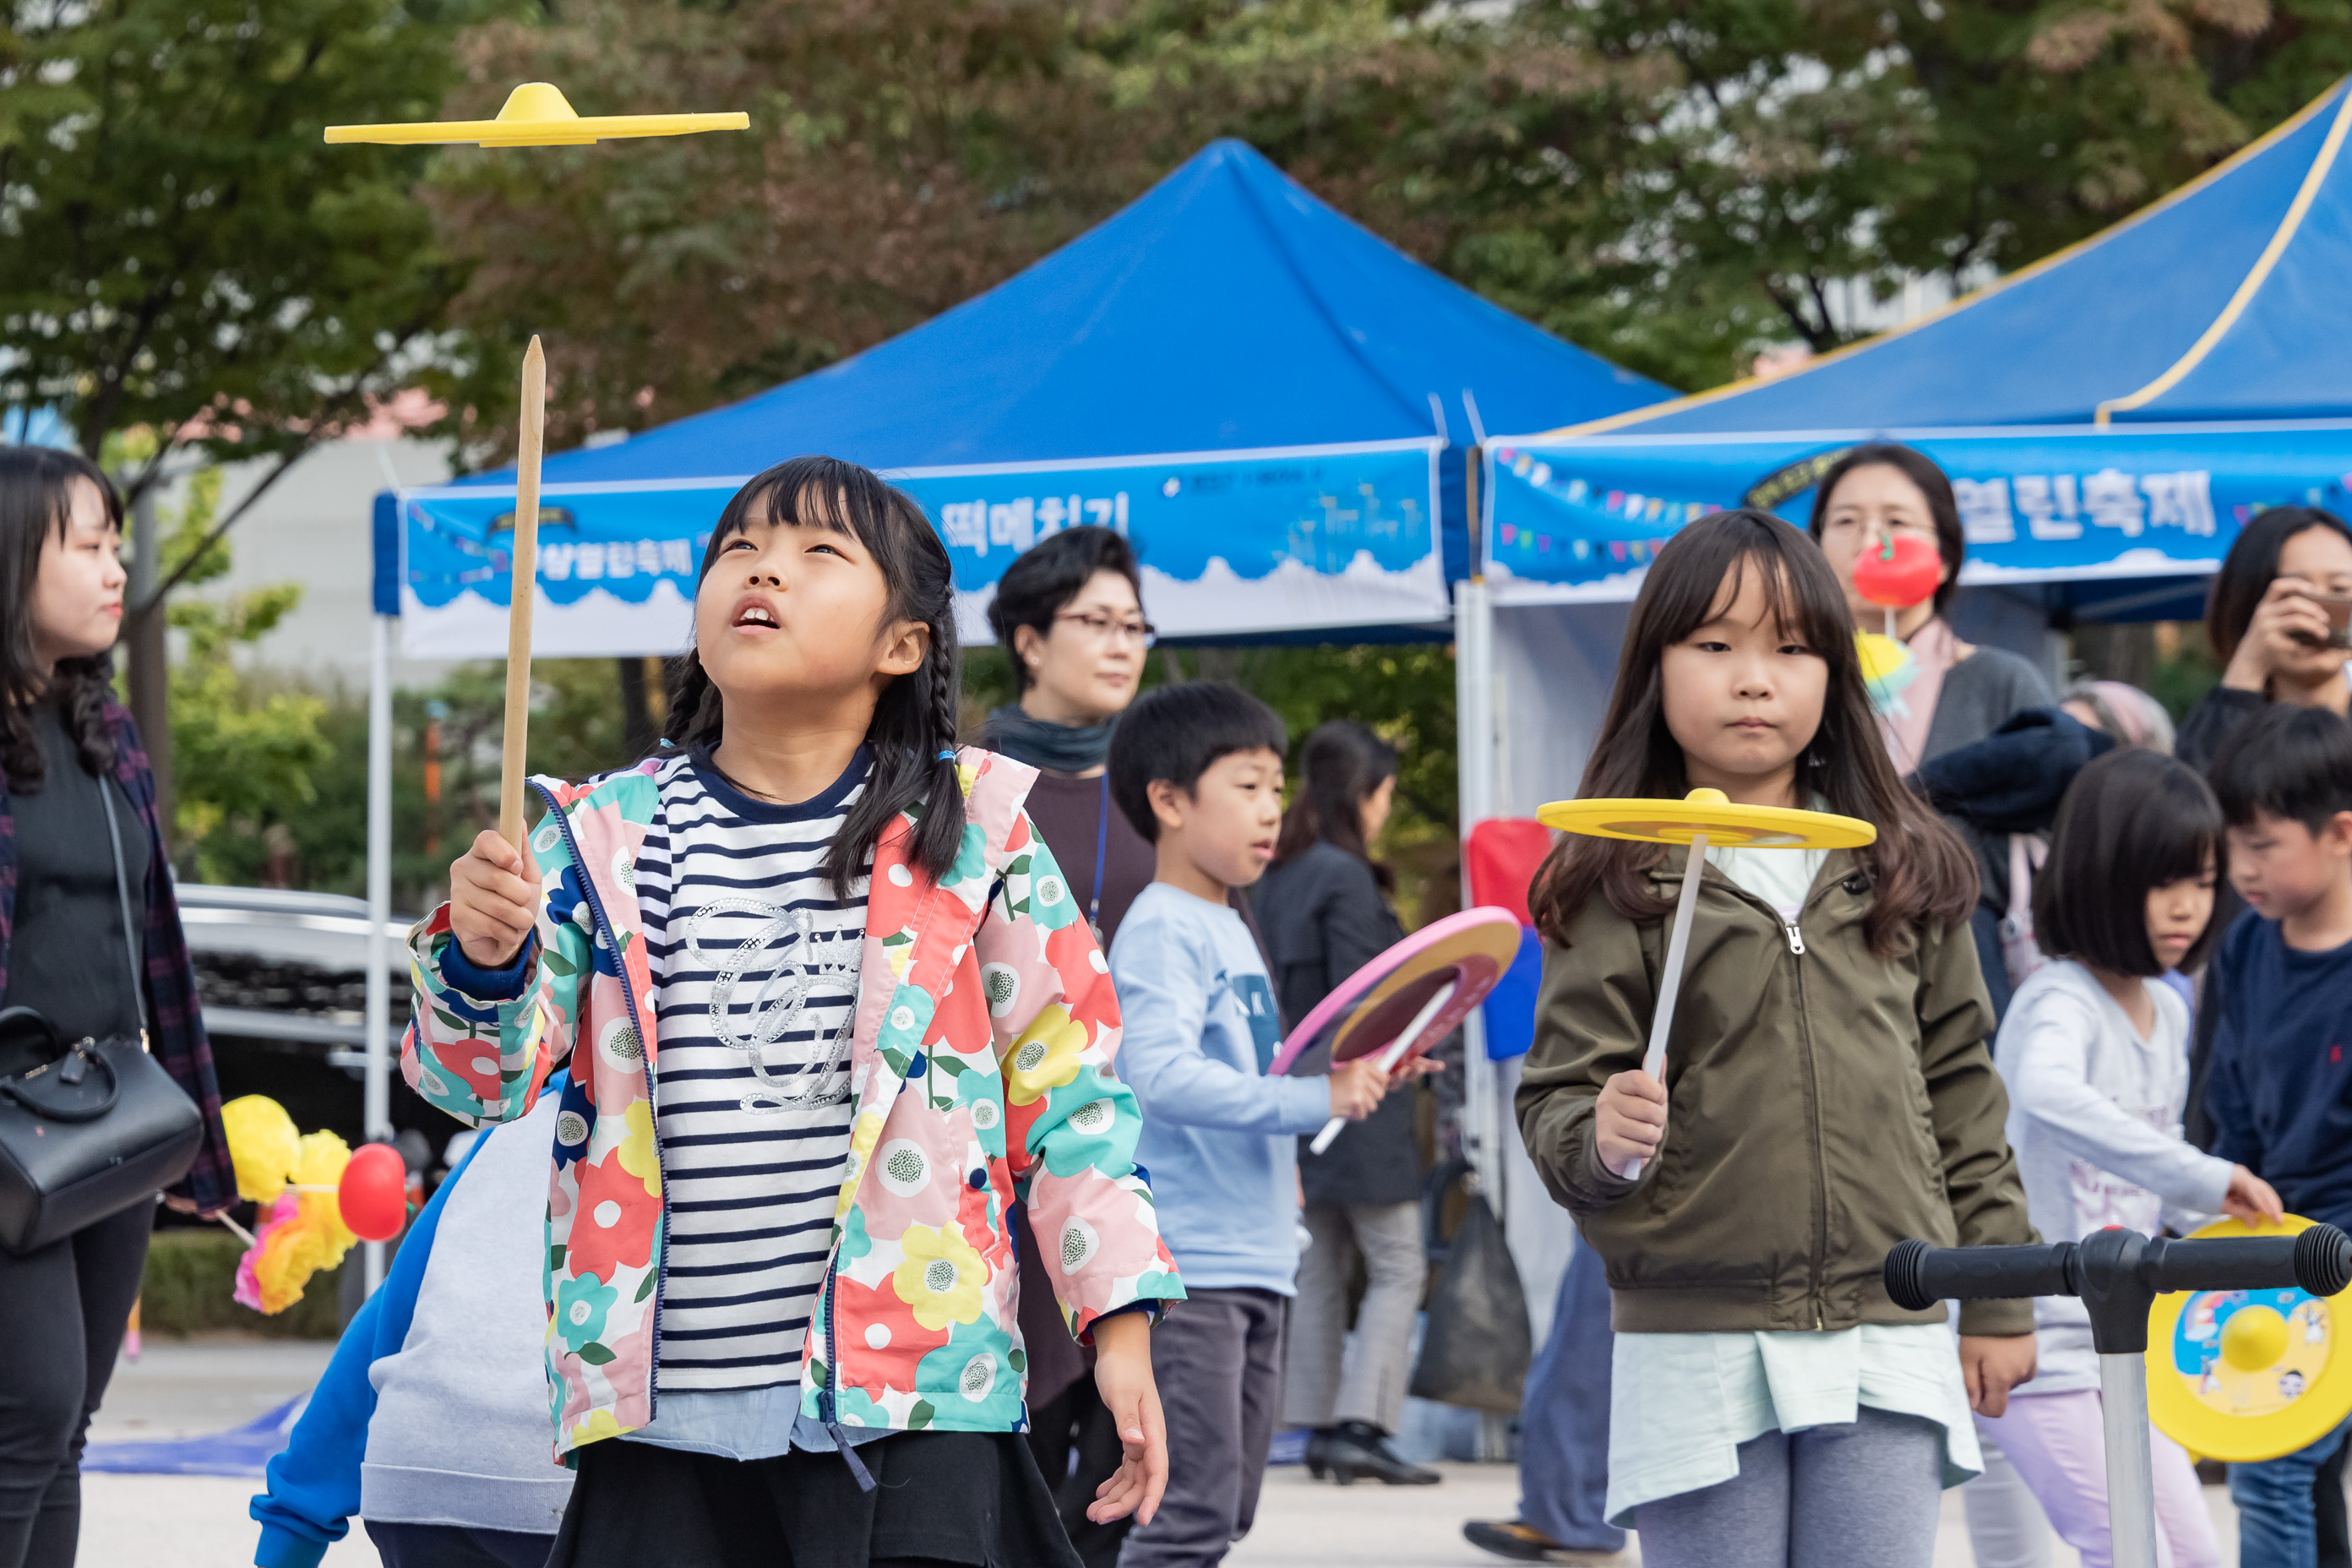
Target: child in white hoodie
[[2094, 1051]]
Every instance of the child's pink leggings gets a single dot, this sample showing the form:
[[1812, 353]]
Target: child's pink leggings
[[2056, 1443]]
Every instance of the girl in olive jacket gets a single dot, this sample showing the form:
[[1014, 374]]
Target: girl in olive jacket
[[1828, 1091]]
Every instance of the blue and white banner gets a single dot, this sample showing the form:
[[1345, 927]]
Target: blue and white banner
[[1232, 543], [1577, 521]]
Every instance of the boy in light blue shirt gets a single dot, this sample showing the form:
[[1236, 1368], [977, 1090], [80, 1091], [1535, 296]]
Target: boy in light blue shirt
[[1197, 768]]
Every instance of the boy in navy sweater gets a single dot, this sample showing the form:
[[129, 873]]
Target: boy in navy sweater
[[2278, 1095]]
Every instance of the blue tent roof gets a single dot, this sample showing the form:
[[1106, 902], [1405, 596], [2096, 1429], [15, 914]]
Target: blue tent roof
[[1225, 308], [2224, 302]]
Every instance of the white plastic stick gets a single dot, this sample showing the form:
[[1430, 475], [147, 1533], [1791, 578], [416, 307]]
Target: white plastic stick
[[1396, 1052], [1670, 983], [1891, 636]]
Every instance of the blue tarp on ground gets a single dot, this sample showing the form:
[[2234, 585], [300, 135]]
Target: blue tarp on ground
[[2096, 408], [1271, 399]]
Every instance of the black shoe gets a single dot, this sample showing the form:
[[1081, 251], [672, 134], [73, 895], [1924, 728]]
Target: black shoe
[[1356, 1449], [1318, 1451], [1525, 1544]]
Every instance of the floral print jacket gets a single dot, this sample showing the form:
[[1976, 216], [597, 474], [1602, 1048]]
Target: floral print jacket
[[981, 1071]]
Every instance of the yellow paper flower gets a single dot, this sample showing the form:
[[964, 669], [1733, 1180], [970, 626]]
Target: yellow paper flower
[[941, 1278], [636, 1150], [262, 1143], [291, 1249], [1046, 1057]]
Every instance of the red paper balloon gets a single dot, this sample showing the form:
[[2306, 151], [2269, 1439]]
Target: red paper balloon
[[1900, 573], [374, 1192]]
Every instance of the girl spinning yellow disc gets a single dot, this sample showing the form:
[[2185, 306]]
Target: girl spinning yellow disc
[[2241, 1375]]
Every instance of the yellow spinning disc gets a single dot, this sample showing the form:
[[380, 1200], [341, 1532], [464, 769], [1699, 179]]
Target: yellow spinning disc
[[2241, 1375], [536, 115], [1707, 811]]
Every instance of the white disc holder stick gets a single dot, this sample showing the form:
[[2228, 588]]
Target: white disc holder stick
[[1670, 983], [1397, 1052]]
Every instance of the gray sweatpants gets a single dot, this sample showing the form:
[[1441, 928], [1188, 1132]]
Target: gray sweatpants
[[1373, 1386], [1859, 1495], [1217, 1357]]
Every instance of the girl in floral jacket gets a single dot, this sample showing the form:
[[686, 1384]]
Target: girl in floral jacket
[[831, 1009]]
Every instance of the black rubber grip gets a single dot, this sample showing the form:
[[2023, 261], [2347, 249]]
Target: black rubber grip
[[2318, 1260], [2239, 1263], [2323, 1260], [1919, 1276]]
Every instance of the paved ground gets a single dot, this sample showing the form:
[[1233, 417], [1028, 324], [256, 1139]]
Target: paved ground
[[181, 1390]]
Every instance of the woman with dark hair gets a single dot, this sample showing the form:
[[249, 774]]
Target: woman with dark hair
[[1323, 907], [1070, 616], [2267, 626], [1961, 692], [73, 785]]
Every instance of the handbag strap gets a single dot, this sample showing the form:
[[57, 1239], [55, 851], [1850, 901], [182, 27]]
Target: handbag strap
[[123, 899]]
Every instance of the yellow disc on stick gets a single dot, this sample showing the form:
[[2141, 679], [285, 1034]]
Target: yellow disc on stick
[[536, 115], [1707, 811], [2241, 1375]]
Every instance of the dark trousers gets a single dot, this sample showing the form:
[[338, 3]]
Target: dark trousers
[[1564, 1417], [1076, 1443], [1217, 1358], [66, 1306], [938, 1498], [455, 1546]]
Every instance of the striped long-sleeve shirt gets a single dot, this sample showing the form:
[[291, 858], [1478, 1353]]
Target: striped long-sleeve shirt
[[756, 962]]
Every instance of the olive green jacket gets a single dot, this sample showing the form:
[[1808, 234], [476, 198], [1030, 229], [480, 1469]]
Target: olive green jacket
[[1822, 1104]]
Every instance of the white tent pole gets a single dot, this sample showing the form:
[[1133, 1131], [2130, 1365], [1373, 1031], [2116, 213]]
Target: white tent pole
[[377, 1115], [1474, 678]]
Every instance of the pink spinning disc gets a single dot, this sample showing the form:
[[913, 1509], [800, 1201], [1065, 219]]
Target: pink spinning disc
[[1379, 1002]]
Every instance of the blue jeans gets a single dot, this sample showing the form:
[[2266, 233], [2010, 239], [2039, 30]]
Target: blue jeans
[[2277, 1526], [1564, 1415]]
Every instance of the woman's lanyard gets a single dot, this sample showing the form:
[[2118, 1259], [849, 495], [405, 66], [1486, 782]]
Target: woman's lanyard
[[1102, 849]]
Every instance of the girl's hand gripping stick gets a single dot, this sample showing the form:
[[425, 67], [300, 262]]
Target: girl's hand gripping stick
[[1702, 816]]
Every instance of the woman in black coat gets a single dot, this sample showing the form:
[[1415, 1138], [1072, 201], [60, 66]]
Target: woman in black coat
[[1323, 911], [68, 754]]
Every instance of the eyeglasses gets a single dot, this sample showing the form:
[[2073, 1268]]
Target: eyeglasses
[[1106, 628]]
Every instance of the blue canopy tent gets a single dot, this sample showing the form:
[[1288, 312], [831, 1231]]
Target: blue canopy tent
[[2109, 416], [1273, 401]]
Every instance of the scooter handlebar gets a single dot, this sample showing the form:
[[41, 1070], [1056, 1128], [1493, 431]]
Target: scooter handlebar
[[1919, 1276], [2318, 1260]]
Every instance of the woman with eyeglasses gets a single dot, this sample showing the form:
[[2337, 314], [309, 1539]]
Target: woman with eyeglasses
[[1070, 616], [1961, 692]]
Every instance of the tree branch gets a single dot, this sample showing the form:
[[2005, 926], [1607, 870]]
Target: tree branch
[[320, 422]]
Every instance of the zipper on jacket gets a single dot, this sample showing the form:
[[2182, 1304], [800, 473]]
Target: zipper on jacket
[[645, 1060], [1816, 1284]]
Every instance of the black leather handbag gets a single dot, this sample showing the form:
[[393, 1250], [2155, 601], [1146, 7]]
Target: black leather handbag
[[98, 1126]]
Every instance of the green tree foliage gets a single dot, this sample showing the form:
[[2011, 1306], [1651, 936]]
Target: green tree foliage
[[1676, 183], [178, 247], [246, 747], [575, 731]]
